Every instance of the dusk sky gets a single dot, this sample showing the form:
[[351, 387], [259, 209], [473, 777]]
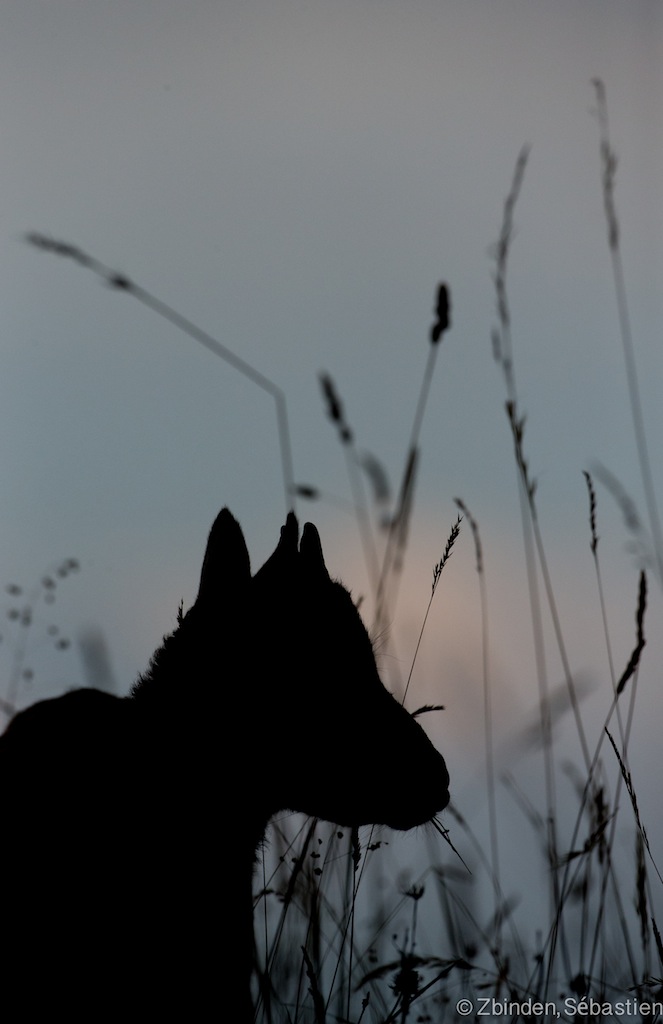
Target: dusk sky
[[296, 177]]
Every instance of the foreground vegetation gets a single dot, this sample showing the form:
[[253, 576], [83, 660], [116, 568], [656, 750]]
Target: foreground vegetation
[[345, 932]]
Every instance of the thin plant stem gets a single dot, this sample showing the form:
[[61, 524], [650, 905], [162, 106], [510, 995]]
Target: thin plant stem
[[403, 507], [488, 718], [336, 414], [437, 572], [503, 353], [609, 168], [162, 309]]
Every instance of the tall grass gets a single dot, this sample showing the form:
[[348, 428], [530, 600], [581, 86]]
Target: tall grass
[[344, 931], [598, 950]]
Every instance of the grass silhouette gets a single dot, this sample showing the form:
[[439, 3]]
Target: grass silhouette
[[339, 932], [598, 952]]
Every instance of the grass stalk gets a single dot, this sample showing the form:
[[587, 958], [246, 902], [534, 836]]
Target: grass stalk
[[336, 414], [399, 520], [608, 178], [488, 722], [437, 573], [124, 284]]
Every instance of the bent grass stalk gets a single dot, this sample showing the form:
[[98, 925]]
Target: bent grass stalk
[[124, 284]]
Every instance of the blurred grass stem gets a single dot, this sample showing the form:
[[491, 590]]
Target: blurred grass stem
[[125, 284], [609, 168]]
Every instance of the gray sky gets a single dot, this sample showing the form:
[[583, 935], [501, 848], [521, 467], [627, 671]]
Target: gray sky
[[296, 177]]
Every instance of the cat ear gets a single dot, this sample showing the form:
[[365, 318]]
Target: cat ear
[[226, 567], [310, 551]]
